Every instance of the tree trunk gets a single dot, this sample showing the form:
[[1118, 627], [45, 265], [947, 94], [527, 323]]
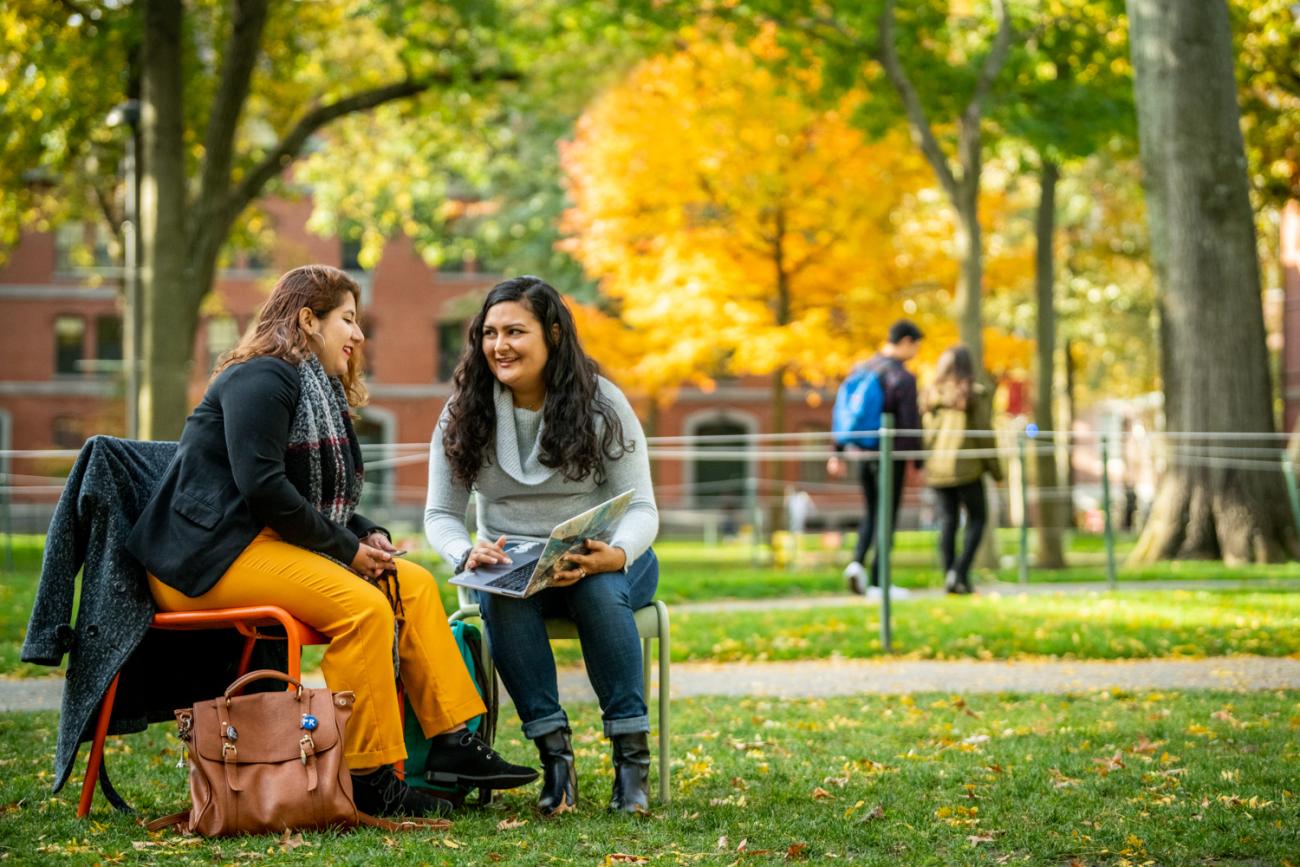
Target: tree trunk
[[1215, 364], [1051, 517], [167, 333], [971, 282]]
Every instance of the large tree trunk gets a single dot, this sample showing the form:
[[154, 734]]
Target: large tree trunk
[[1051, 515], [1215, 364], [970, 249], [167, 334]]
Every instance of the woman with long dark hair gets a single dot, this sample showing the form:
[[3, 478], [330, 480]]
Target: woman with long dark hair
[[259, 508], [958, 413], [539, 436]]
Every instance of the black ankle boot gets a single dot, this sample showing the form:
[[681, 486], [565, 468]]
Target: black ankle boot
[[559, 779], [631, 773], [463, 759]]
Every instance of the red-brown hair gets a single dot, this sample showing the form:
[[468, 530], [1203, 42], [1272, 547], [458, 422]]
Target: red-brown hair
[[278, 333]]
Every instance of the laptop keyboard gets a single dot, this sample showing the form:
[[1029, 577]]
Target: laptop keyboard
[[515, 579]]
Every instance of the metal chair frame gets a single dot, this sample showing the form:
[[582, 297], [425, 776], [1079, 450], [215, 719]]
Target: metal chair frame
[[246, 620], [651, 623]]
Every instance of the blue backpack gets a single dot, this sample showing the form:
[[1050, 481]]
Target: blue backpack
[[859, 405]]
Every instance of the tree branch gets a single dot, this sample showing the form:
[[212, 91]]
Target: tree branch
[[110, 213], [969, 146], [919, 124], [233, 82], [288, 148]]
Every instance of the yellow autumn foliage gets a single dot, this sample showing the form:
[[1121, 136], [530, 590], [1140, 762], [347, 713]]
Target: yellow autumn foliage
[[740, 226]]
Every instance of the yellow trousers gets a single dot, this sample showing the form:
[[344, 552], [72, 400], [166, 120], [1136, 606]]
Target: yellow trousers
[[359, 621]]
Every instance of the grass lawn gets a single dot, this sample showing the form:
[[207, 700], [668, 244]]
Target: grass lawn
[[1098, 778], [1122, 625], [1127, 624]]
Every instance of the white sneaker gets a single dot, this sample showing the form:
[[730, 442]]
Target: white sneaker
[[856, 576], [896, 592], [873, 593]]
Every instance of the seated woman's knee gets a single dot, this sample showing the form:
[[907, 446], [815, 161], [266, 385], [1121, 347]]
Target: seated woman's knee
[[609, 589]]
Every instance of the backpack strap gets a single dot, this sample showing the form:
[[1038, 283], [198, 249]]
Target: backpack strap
[[181, 818]]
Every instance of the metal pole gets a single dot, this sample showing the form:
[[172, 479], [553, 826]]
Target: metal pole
[[128, 114], [1024, 507], [8, 522], [884, 524], [131, 301], [1105, 511], [1288, 473]]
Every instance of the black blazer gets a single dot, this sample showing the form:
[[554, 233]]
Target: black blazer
[[227, 482]]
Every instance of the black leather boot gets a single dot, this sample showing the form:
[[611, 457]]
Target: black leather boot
[[631, 773], [559, 779]]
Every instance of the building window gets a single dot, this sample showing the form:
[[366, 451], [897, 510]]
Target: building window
[[65, 432], [350, 254], [371, 432], [69, 343], [368, 348], [451, 341], [108, 340], [78, 246], [223, 334]]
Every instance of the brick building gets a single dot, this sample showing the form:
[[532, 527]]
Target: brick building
[[60, 371]]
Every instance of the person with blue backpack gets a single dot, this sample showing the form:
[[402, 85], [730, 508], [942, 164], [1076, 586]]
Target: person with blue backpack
[[878, 386]]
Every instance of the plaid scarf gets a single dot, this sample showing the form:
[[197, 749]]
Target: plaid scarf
[[323, 460]]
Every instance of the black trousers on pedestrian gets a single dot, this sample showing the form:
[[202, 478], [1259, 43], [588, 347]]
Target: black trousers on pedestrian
[[952, 501], [871, 494]]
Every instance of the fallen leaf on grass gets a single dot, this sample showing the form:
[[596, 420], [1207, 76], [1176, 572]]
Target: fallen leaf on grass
[[1106, 764], [511, 824], [976, 839], [289, 842], [450, 843], [796, 852], [876, 812], [1145, 747], [621, 858], [820, 794], [1061, 781], [723, 842]]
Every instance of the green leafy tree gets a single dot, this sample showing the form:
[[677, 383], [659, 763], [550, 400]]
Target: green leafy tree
[[1066, 96], [231, 95]]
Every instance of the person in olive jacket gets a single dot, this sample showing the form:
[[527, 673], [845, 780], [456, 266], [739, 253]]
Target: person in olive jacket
[[259, 508], [958, 413]]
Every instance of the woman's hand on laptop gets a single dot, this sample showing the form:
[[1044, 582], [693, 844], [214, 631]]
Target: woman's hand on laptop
[[485, 553], [599, 557]]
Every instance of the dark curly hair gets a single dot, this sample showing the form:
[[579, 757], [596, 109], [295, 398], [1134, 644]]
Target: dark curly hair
[[570, 441]]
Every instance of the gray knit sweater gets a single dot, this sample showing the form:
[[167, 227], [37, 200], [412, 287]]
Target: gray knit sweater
[[520, 498]]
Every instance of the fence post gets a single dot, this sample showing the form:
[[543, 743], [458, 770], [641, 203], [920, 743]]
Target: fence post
[[1107, 520], [1021, 436], [884, 524], [1288, 473], [8, 522]]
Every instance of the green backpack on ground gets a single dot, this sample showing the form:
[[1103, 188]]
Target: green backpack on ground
[[470, 641]]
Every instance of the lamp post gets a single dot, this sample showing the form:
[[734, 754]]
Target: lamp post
[[128, 114]]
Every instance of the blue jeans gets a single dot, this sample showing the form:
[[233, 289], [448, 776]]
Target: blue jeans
[[602, 607]]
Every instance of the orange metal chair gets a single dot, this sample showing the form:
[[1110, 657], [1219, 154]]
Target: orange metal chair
[[247, 620]]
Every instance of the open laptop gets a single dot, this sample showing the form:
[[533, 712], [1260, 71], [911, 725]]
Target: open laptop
[[535, 563]]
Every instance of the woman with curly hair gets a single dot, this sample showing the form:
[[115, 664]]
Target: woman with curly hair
[[539, 436], [259, 508]]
